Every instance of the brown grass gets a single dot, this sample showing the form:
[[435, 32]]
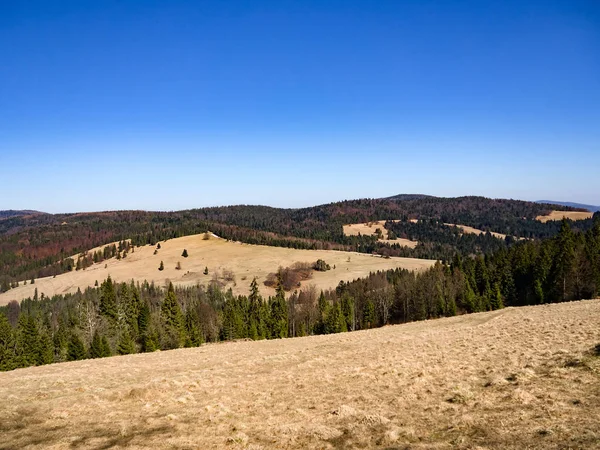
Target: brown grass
[[515, 378], [369, 228], [231, 260], [559, 215], [470, 230]]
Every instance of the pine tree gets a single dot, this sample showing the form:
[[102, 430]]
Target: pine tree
[[470, 301], [46, 353], [150, 342], [126, 345], [185, 253], [75, 349], [192, 327], [173, 320], [108, 299], [28, 341], [279, 312], [348, 311], [564, 259], [206, 270], [162, 266], [143, 319], [96, 346], [105, 347], [7, 345], [335, 322], [496, 299], [369, 315]]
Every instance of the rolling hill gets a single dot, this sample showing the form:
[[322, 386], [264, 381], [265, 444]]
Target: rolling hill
[[231, 264], [591, 208], [37, 245]]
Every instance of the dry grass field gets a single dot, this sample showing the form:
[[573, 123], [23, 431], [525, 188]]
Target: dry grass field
[[369, 228], [471, 230], [512, 379], [244, 261], [559, 215]]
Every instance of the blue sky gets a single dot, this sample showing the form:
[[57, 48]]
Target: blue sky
[[172, 105]]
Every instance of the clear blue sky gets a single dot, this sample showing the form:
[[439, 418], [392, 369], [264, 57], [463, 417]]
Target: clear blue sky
[[171, 105]]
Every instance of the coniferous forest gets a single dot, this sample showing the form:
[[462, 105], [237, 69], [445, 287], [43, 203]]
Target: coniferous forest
[[123, 318]]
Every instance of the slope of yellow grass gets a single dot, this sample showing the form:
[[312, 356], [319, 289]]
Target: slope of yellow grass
[[369, 228], [471, 230], [510, 379], [559, 215], [244, 261]]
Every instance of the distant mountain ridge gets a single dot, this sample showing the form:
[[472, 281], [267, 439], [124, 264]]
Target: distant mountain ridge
[[5, 214], [591, 208]]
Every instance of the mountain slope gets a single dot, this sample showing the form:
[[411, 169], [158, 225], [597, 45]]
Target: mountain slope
[[480, 379], [591, 208]]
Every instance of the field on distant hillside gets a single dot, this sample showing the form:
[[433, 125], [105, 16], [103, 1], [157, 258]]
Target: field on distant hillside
[[559, 215], [224, 259], [471, 230], [369, 228], [514, 378]]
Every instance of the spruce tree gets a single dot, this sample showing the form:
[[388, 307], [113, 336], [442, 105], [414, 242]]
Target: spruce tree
[[564, 259], [96, 346], [369, 315], [173, 320], [75, 349], [28, 341], [192, 327], [347, 307], [108, 299], [46, 353], [496, 299], [105, 348], [279, 312], [7, 345], [126, 345]]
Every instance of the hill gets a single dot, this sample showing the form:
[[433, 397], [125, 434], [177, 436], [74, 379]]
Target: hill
[[231, 265], [570, 215], [571, 205], [5, 214], [513, 378], [37, 246]]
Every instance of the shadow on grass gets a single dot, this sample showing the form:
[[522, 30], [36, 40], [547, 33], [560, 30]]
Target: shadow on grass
[[30, 427]]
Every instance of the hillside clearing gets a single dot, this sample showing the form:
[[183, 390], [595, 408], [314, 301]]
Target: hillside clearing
[[470, 230], [514, 378], [243, 261], [370, 228], [559, 215]]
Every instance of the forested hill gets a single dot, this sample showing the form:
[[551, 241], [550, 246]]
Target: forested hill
[[37, 245], [16, 213], [579, 206]]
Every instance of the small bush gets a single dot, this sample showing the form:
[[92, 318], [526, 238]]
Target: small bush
[[185, 253], [321, 266]]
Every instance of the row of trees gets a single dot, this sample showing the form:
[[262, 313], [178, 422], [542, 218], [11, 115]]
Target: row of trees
[[126, 317]]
